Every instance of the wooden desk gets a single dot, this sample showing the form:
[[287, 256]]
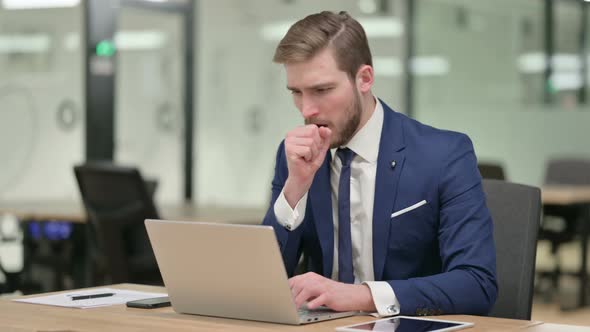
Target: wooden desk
[[30, 317], [548, 327], [567, 195], [74, 211], [45, 210]]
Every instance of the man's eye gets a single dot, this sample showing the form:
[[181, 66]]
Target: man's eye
[[323, 90], [295, 92]]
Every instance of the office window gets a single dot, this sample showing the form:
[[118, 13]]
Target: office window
[[149, 97], [490, 84], [477, 55], [244, 109], [42, 103]]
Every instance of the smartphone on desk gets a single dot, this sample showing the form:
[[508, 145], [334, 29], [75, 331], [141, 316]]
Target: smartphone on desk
[[151, 303]]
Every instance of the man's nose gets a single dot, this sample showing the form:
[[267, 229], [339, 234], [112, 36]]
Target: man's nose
[[308, 109]]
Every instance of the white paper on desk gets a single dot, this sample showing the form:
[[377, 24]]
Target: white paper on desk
[[65, 299]]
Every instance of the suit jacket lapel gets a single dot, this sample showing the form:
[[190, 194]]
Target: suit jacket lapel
[[321, 196], [389, 167]]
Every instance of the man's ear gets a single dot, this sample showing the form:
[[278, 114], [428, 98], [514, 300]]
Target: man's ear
[[364, 78]]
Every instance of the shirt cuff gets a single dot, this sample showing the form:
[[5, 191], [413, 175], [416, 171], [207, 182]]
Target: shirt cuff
[[384, 298], [288, 217]]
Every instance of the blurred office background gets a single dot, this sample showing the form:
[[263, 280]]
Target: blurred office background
[[513, 75]]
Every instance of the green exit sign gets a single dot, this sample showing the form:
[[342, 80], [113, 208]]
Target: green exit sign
[[105, 48]]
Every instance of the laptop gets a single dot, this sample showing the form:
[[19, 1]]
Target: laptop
[[226, 270]]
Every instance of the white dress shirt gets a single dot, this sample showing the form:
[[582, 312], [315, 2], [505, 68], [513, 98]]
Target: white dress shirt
[[365, 145]]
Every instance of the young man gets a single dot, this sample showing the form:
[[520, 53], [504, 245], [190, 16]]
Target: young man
[[389, 212]]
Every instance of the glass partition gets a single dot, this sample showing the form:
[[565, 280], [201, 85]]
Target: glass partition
[[244, 109], [42, 103], [566, 79], [149, 97], [493, 88]]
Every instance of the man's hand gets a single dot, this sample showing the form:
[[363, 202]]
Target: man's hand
[[318, 290], [306, 148]]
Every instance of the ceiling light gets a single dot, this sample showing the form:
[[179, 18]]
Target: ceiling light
[[380, 27], [125, 40], [33, 43], [36, 4], [536, 62], [387, 66], [566, 81], [139, 40], [368, 6], [430, 65]]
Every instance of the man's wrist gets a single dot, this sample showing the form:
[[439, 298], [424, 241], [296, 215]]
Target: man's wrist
[[366, 300], [294, 191]]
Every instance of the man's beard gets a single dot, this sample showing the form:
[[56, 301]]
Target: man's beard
[[353, 113], [353, 120]]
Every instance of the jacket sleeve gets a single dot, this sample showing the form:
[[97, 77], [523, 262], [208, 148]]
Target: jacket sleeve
[[289, 241], [467, 284]]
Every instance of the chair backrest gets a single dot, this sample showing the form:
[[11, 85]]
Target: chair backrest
[[568, 171], [516, 211], [491, 171], [117, 202]]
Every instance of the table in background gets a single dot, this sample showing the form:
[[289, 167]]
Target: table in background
[[73, 211], [565, 195], [15, 316], [574, 196], [63, 255]]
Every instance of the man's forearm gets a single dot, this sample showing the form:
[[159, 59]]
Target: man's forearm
[[295, 191]]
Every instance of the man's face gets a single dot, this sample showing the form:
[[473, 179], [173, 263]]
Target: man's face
[[325, 96]]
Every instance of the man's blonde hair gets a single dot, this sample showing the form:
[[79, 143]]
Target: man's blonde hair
[[314, 33]]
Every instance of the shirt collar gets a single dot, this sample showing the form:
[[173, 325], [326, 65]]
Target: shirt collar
[[366, 141]]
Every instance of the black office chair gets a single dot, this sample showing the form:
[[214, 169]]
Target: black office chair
[[516, 212], [560, 223], [568, 171], [117, 202], [489, 170]]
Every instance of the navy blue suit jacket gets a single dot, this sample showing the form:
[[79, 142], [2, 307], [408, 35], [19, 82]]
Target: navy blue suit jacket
[[439, 258]]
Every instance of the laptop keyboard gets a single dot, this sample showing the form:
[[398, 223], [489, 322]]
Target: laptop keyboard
[[318, 312]]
